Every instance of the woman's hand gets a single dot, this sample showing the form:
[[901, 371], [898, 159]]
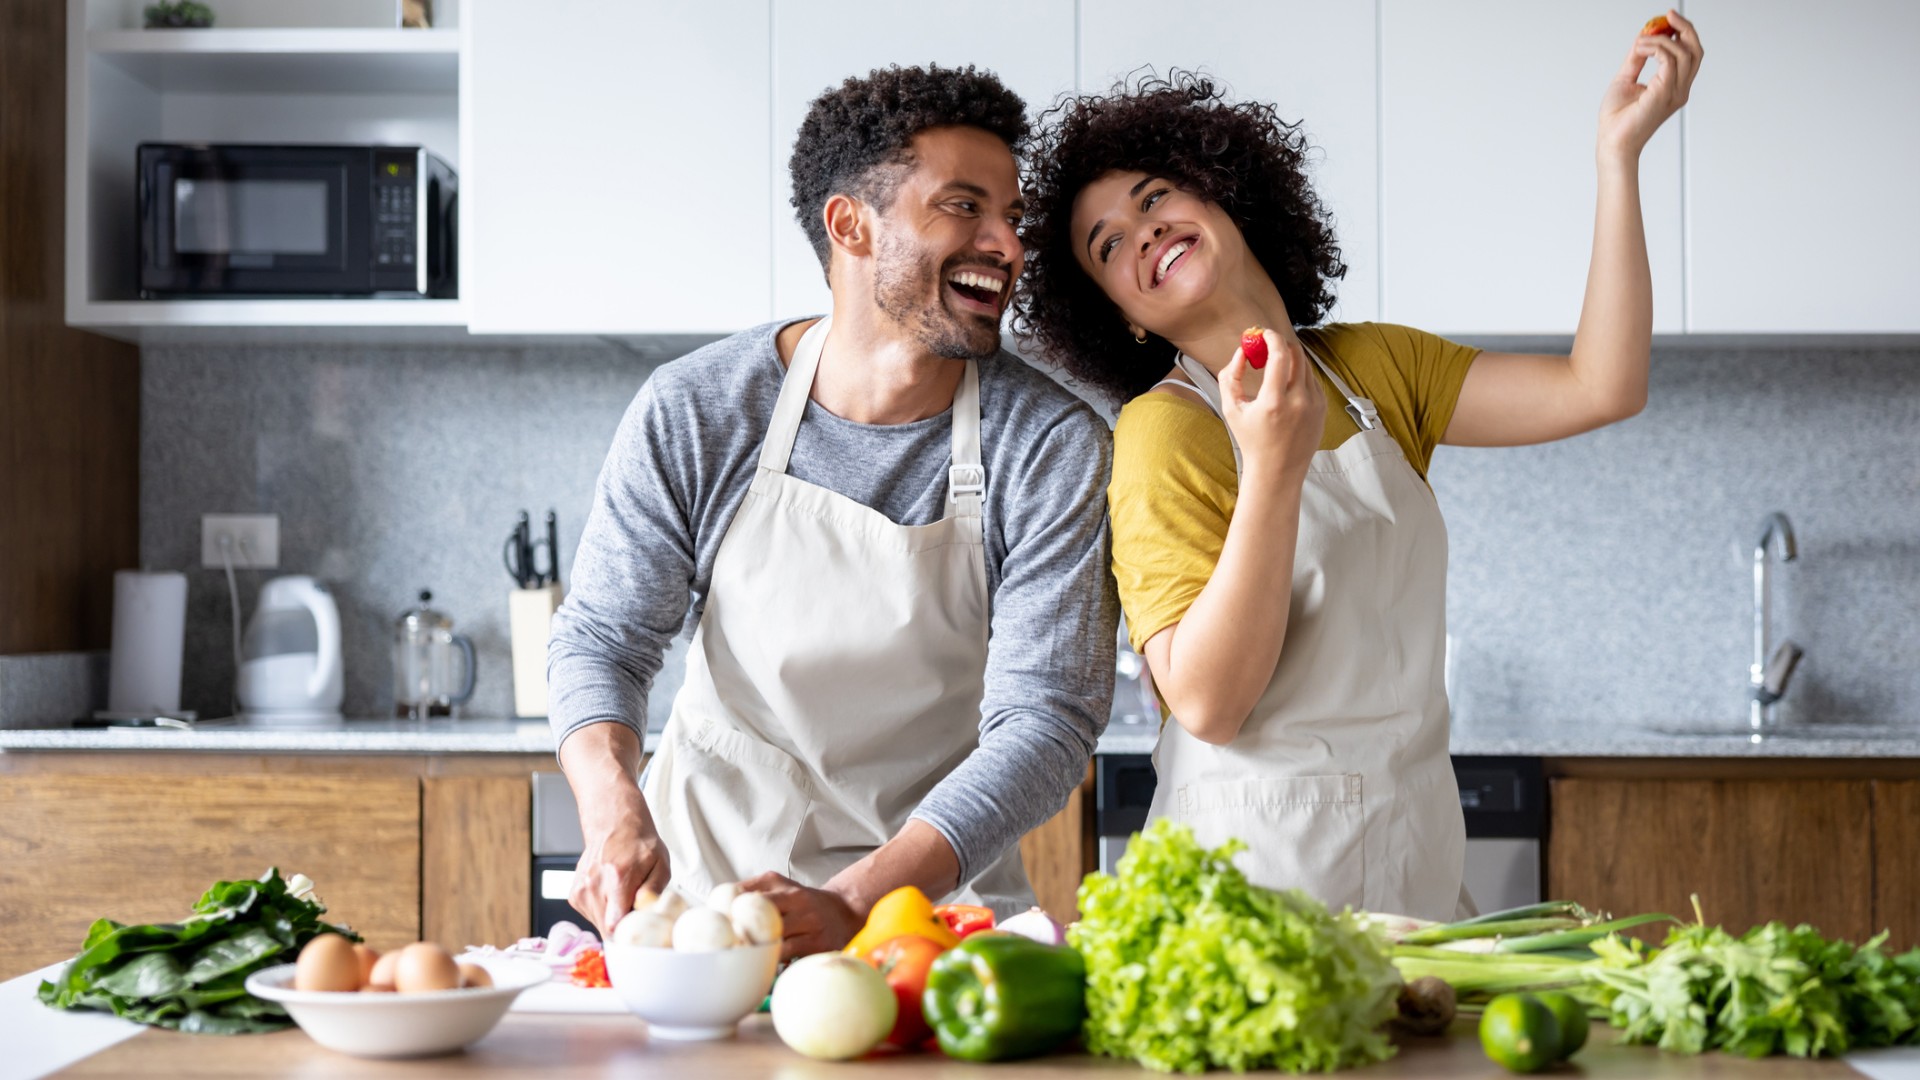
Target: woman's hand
[[1629, 112], [1279, 427]]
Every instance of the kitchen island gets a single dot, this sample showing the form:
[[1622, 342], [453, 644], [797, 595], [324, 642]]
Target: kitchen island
[[556, 1046]]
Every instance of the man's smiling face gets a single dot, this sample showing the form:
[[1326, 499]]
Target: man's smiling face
[[947, 250]]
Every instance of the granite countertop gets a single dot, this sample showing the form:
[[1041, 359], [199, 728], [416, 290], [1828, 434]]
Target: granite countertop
[[511, 736]]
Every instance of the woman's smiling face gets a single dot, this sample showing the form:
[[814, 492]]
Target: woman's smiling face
[[1158, 252]]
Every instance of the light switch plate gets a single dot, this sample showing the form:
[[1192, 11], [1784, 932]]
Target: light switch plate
[[255, 537]]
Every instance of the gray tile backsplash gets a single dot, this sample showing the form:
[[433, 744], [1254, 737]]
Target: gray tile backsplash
[[392, 469], [1609, 577], [51, 689], [1602, 579]]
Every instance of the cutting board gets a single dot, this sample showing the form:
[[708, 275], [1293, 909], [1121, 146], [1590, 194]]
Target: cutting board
[[561, 996]]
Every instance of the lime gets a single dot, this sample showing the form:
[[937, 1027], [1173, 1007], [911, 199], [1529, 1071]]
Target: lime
[[1573, 1020], [1520, 1033]]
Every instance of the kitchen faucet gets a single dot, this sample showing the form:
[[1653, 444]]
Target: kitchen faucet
[[1771, 669]]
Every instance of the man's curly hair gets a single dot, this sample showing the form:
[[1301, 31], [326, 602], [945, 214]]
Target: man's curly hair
[[855, 138], [1242, 157]]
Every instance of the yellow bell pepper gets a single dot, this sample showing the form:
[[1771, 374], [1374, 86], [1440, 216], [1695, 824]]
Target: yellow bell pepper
[[905, 910]]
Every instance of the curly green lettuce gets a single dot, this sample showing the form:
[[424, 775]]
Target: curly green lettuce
[[1190, 967]]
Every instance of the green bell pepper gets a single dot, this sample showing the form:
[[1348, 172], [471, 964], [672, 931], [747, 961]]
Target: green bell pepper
[[996, 996]]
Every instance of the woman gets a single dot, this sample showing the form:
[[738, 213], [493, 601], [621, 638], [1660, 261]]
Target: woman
[[1281, 560]]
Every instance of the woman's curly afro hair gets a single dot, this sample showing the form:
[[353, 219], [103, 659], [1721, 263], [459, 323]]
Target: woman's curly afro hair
[[1242, 157], [856, 135]]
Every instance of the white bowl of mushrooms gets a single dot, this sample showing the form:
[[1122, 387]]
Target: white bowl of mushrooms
[[694, 971]]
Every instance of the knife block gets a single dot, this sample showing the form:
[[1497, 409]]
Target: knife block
[[530, 620]]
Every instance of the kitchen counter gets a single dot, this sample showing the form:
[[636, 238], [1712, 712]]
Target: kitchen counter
[[551, 1046], [507, 736]]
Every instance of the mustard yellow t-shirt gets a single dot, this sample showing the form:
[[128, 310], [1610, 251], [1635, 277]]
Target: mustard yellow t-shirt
[[1173, 486]]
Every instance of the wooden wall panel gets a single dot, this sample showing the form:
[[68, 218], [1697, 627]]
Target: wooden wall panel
[[75, 848], [476, 866], [69, 400], [1754, 850], [1061, 852]]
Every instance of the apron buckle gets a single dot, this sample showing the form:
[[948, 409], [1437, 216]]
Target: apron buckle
[[966, 480]]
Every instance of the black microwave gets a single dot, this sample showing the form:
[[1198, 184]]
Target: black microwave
[[246, 219]]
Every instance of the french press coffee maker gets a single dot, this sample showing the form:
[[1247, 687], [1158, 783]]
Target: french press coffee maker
[[424, 645]]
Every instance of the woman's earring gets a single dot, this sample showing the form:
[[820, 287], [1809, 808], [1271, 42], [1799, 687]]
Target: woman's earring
[[1139, 336]]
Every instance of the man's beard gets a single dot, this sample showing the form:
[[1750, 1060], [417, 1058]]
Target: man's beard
[[911, 292]]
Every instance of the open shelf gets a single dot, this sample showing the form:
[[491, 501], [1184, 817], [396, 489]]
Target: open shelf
[[265, 75], [136, 320], [281, 60]]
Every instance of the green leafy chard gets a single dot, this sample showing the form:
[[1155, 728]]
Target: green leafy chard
[[191, 975], [1190, 967]]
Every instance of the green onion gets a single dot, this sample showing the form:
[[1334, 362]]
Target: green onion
[[1565, 909], [1569, 939], [1435, 935]]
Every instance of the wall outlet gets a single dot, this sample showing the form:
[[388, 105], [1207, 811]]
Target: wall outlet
[[255, 539]]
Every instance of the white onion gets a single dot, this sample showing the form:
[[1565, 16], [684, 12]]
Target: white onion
[[1036, 924], [832, 1006]]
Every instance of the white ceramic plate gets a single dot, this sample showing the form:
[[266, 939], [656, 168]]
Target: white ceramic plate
[[400, 1025]]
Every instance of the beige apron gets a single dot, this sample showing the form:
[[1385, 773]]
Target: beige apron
[[1340, 782], [836, 674]]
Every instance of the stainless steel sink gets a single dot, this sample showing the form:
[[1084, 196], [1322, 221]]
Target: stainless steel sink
[[1786, 732]]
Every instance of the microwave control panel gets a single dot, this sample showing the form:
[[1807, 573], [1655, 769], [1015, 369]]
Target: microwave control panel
[[396, 216]]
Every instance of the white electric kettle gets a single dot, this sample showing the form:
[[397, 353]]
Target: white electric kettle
[[290, 671]]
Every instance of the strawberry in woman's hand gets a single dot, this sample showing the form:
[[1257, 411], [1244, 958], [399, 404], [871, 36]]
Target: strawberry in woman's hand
[[1659, 25], [1253, 346]]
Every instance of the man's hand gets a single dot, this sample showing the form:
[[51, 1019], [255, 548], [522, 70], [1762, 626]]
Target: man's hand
[[623, 855], [816, 920]]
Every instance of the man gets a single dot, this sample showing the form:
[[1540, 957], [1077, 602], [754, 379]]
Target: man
[[892, 536]]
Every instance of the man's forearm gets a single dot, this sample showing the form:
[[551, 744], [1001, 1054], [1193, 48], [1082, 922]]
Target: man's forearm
[[602, 763], [917, 855]]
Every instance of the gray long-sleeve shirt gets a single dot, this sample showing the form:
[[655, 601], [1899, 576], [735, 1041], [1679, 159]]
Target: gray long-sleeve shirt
[[683, 459]]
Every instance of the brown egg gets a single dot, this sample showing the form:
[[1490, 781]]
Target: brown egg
[[367, 958], [381, 977], [327, 963], [473, 975], [424, 967]]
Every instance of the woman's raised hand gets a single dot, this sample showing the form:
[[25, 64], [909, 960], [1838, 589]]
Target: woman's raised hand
[[1631, 112], [1279, 427]]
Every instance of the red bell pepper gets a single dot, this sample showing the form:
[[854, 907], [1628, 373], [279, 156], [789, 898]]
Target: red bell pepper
[[965, 919]]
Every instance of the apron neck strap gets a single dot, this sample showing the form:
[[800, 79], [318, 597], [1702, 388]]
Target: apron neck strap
[[1364, 415], [966, 477]]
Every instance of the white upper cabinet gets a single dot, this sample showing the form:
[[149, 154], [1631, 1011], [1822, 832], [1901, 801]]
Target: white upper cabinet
[[818, 44], [1803, 145], [618, 167], [1314, 62], [1489, 114]]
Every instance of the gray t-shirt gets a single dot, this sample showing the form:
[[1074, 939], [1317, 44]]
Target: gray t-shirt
[[681, 463]]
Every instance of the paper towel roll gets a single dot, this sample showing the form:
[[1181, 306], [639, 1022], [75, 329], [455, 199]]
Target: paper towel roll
[[149, 635]]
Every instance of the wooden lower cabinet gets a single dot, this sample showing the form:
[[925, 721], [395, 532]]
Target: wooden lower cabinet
[[141, 849], [1061, 852], [1896, 860], [401, 847], [1753, 850]]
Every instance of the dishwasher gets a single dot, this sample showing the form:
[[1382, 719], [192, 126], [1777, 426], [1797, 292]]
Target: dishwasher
[[1502, 798], [557, 843]]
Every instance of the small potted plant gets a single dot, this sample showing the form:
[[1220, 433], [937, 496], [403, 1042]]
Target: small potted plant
[[175, 14]]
